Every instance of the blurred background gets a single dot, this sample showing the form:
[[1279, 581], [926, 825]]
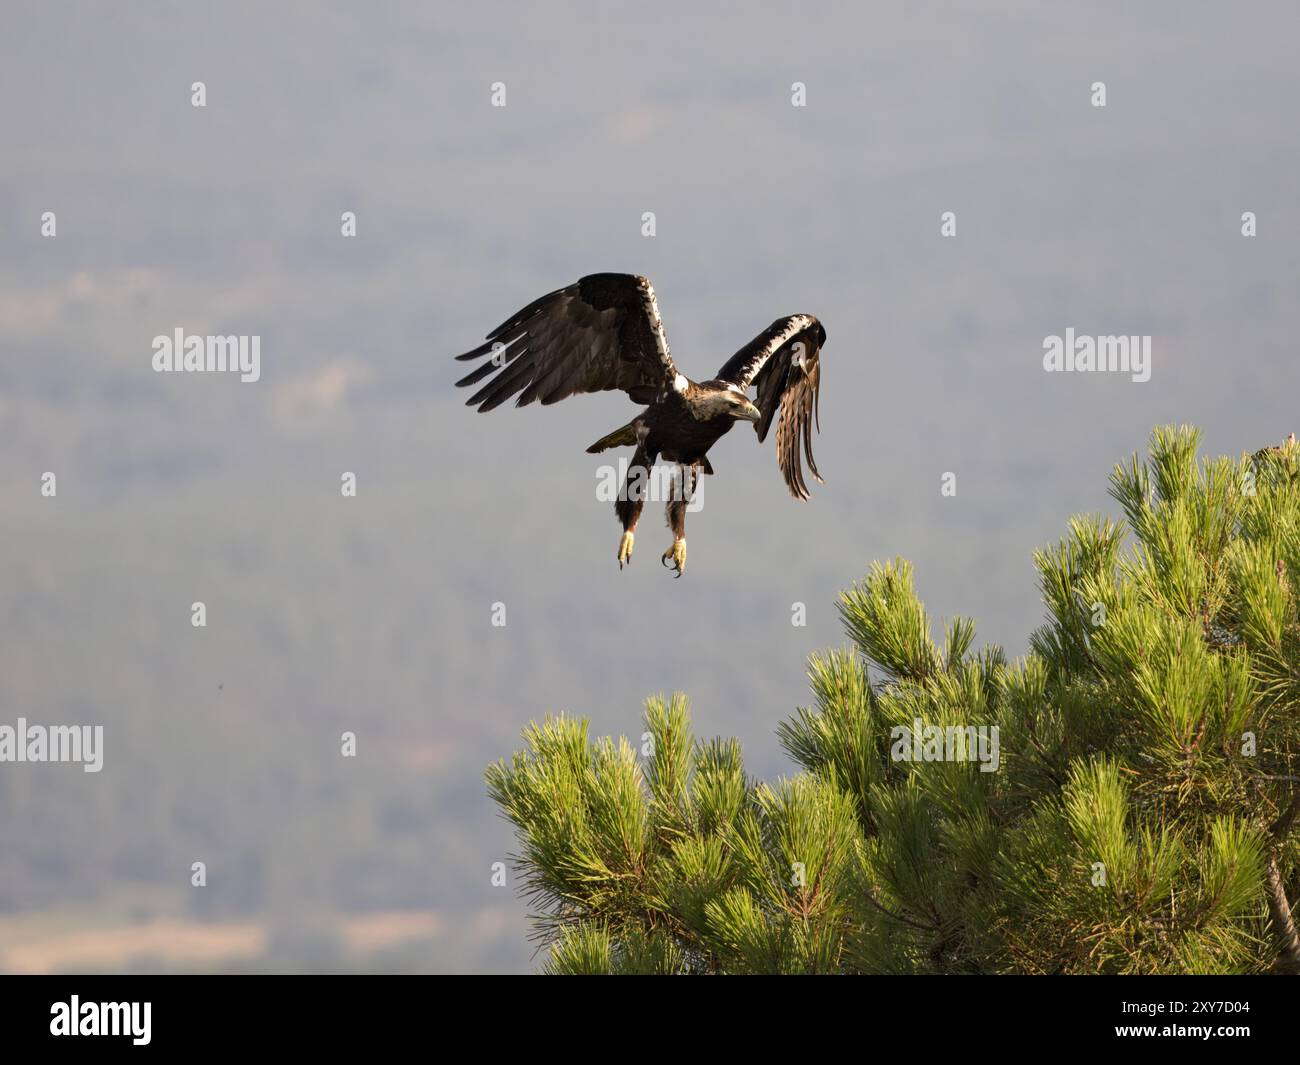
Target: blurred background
[[373, 614]]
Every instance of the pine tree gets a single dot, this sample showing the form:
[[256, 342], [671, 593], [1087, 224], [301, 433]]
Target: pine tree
[[1141, 818]]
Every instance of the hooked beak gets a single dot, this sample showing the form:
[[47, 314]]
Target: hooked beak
[[749, 413]]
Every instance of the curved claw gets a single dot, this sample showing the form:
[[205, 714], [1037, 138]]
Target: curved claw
[[625, 550], [675, 557]]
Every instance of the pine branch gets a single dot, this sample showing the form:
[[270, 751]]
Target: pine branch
[[1279, 907], [1279, 910]]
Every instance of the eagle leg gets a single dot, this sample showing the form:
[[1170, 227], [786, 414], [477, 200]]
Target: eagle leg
[[680, 495], [630, 502]]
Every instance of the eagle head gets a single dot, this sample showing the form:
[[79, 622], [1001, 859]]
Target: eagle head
[[741, 408]]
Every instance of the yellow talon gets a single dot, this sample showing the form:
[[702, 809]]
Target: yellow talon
[[625, 550], [677, 556]]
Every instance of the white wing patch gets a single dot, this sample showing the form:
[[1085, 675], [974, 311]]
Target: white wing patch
[[661, 342], [796, 324]]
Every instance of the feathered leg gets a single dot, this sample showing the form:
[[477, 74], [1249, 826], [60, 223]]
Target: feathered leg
[[631, 499], [680, 494]]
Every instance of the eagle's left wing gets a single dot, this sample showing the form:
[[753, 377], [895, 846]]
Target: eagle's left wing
[[603, 332], [783, 363]]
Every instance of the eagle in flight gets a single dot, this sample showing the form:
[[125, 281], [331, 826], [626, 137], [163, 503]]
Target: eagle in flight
[[604, 332]]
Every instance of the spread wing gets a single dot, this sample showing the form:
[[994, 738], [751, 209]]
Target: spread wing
[[783, 362], [601, 333]]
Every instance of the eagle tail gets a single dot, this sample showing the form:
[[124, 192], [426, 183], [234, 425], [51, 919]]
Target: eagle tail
[[624, 437]]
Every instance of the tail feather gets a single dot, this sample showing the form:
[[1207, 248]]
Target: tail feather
[[623, 437]]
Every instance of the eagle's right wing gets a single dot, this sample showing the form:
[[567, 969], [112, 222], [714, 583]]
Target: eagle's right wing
[[784, 364], [603, 332]]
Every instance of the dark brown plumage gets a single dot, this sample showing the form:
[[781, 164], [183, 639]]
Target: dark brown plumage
[[603, 333]]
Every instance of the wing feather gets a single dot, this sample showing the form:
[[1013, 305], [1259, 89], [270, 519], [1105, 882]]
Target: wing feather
[[784, 364], [602, 332]]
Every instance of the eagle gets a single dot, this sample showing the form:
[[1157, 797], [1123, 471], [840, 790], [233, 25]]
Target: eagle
[[604, 333]]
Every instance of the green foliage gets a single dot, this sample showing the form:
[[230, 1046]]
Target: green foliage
[[1138, 818]]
